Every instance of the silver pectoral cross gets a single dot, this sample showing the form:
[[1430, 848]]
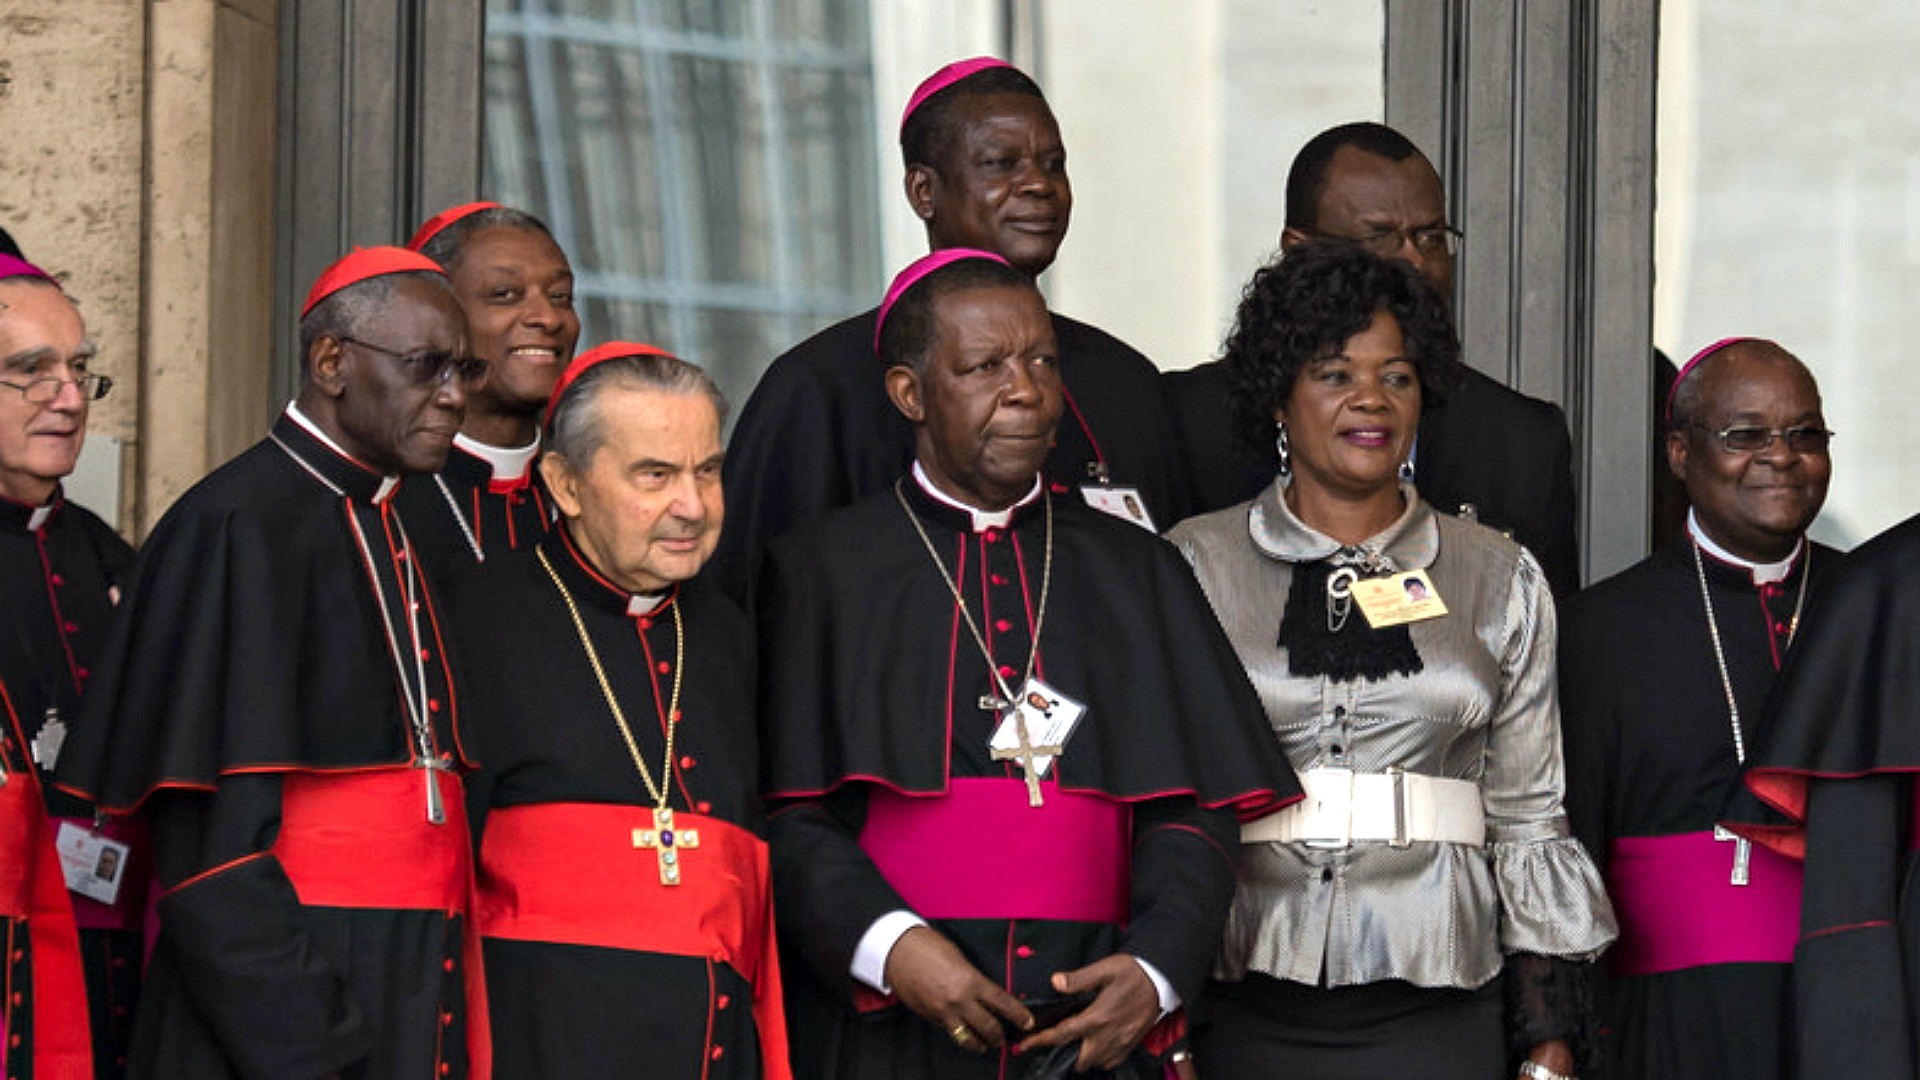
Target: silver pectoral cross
[[1024, 753], [1742, 855], [436, 806]]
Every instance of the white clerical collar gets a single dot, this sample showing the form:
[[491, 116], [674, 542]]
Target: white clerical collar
[[509, 463], [1762, 573], [982, 519], [644, 603], [387, 483]]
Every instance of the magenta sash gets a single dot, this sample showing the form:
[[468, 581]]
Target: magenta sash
[[1677, 908], [980, 852]]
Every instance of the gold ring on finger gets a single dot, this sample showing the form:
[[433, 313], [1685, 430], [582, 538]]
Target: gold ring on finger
[[961, 1033]]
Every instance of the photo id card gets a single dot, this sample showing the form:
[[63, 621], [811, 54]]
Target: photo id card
[[1050, 716], [1125, 503], [1398, 598], [93, 865]]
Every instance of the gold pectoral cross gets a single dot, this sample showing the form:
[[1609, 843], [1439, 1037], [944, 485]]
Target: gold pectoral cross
[[668, 841], [1024, 753], [1742, 855]]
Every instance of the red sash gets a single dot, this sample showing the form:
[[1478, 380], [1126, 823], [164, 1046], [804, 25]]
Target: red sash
[[362, 840], [980, 852], [33, 887], [570, 873]]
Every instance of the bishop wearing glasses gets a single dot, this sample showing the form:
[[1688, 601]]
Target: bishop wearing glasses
[[278, 701], [1664, 670], [61, 572]]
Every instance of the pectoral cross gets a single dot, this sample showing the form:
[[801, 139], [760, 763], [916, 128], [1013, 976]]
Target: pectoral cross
[[1024, 753], [1742, 855], [668, 841], [428, 766]]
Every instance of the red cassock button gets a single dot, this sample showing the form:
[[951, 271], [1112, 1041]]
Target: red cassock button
[[705, 807], [1006, 671], [1002, 625], [663, 667], [719, 1052], [1023, 951], [993, 536], [686, 761], [997, 579], [72, 627], [723, 1001]]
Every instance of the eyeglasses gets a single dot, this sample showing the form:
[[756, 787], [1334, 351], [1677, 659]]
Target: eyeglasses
[[431, 368], [1431, 241], [44, 389], [1751, 438]]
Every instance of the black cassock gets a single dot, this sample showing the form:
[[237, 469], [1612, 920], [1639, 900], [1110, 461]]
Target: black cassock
[[870, 698], [1488, 447], [595, 969], [819, 433], [462, 507], [61, 568], [1837, 759], [249, 702], [1650, 757]]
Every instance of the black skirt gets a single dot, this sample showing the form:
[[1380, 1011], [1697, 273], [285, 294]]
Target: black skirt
[[1265, 1027]]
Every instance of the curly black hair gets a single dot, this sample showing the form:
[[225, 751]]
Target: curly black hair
[[1305, 305]]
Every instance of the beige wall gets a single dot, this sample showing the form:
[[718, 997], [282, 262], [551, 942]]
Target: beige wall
[[138, 167]]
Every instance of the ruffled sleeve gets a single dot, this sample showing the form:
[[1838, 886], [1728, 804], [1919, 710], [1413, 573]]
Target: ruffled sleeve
[[1552, 901]]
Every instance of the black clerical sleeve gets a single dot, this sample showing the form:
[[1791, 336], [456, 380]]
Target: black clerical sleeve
[[1184, 858], [234, 926], [1589, 732], [827, 891], [1854, 1010]]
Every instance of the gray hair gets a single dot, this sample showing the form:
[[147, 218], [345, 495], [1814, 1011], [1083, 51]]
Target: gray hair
[[347, 312], [449, 245], [577, 431]]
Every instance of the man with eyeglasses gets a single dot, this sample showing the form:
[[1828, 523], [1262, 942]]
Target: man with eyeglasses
[[61, 572], [1664, 669], [1484, 450], [278, 703]]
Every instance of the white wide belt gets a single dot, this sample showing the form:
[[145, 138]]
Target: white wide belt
[[1399, 807]]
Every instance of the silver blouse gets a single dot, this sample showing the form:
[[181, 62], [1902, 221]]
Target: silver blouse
[[1483, 709]]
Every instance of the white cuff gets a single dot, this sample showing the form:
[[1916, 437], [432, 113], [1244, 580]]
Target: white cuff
[[1169, 1000], [870, 956]]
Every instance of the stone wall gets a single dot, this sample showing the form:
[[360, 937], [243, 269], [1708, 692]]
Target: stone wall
[[138, 167]]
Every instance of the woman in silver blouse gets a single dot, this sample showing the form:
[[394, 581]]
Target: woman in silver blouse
[[1424, 912]]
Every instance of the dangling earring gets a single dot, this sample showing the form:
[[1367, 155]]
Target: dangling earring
[[1406, 471], [1280, 443]]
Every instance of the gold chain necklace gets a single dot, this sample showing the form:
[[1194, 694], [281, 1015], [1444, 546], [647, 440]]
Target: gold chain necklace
[[1006, 698], [663, 837]]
